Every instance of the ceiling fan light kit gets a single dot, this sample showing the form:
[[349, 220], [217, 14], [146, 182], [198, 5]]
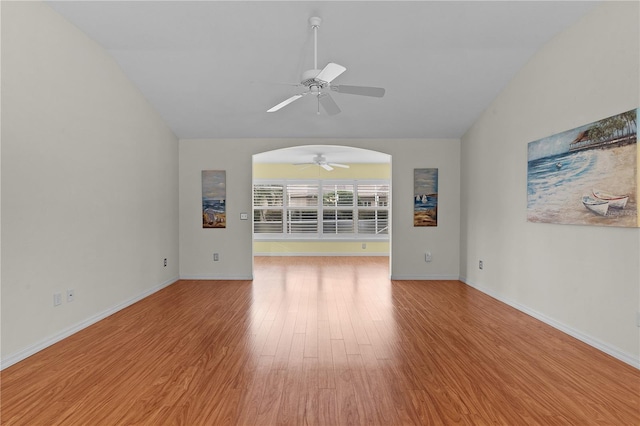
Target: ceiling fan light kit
[[318, 82]]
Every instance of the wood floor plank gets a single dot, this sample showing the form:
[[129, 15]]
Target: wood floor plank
[[326, 373], [364, 393], [327, 412], [249, 404], [271, 398], [308, 408], [347, 410], [289, 402], [319, 341]]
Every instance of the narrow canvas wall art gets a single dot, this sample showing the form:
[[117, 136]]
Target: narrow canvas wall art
[[587, 175], [214, 194], [425, 197]]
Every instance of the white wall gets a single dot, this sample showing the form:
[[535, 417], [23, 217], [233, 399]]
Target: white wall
[[234, 244], [583, 279], [89, 183]]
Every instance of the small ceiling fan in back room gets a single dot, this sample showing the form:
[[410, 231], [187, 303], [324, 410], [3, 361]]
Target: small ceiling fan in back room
[[319, 82], [320, 160]]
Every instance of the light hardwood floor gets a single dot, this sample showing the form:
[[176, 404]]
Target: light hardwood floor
[[320, 341]]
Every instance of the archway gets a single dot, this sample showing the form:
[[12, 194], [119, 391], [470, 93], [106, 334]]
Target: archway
[[321, 200]]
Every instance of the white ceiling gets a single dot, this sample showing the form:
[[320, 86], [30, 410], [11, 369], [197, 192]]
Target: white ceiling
[[211, 68]]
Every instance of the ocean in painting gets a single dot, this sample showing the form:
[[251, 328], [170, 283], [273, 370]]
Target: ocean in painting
[[426, 202], [215, 206], [425, 197], [550, 178]]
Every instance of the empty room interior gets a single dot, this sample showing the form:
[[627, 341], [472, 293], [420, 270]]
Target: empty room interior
[[210, 215]]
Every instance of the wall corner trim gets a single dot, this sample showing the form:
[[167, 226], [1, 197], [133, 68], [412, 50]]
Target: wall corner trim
[[323, 254], [397, 277], [591, 341], [38, 346], [221, 277]]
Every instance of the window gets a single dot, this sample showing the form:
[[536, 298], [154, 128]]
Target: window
[[373, 209], [302, 208], [326, 209], [267, 209], [337, 209]]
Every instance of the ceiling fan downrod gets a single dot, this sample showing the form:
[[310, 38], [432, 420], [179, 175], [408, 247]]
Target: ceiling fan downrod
[[315, 24]]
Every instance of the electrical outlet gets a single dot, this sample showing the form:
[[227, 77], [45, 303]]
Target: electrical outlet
[[244, 216], [427, 257], [364, 246], [165, 261], [57, 299], [481, 265], [216, 257], [71, 294]]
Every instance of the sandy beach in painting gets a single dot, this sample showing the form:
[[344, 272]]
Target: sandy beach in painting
[[425, 218], [555, 196]]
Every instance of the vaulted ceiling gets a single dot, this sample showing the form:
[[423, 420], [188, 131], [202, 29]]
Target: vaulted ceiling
[[212, 68]]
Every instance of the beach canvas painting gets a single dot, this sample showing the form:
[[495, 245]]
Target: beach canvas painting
[[425, 197], [214, 194], [587, 175]]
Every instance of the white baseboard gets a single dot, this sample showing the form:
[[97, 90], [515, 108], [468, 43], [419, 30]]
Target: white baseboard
[[424, 277], [217, 277], [589, 340], [37, 347], [321, 254]]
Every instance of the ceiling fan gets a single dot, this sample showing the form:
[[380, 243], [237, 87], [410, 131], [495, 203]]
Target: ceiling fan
[[320, 160], [318, 82]]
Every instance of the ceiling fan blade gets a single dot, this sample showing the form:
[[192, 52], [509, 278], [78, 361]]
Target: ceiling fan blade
[[328, 104], [376, 92], [286, 102], [344, 166], [330, 72], [326, 167]]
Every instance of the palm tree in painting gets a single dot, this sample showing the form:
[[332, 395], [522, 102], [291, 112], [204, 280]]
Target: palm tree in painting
[[615, 127]]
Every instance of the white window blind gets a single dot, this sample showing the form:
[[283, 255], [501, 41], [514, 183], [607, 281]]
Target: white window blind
[[373, 208], [302, 208], [321, 209], [268, 209], [300, 221], [337, 209], [302, 195]]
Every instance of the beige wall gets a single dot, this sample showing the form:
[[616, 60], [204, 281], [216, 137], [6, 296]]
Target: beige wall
[[583, 279], [234, 244], [89, 183]]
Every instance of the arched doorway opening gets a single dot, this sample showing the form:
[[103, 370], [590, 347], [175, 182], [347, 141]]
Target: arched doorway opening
[[321, 200]]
